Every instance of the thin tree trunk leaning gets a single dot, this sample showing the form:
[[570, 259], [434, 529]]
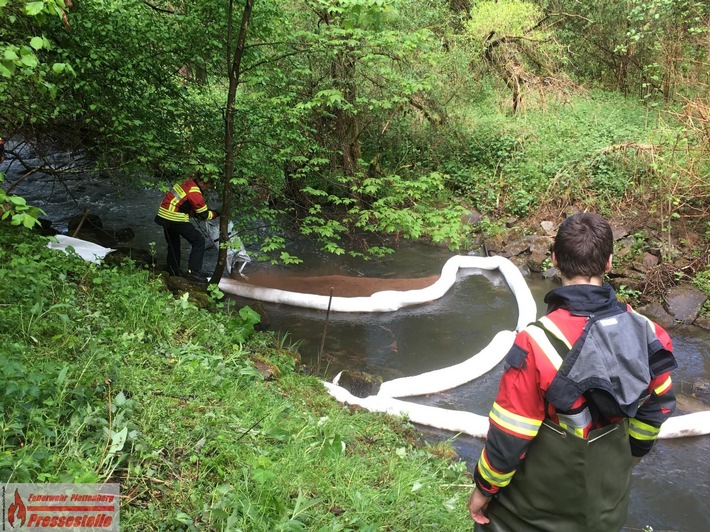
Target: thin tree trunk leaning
[[229, 150]]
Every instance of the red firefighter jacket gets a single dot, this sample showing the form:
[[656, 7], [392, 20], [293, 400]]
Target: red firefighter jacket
[[531, 366], [183, 201]]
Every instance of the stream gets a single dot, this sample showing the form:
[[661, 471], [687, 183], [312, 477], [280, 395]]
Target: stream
[[671, 486]]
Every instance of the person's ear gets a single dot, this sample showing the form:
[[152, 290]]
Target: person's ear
[[554, 260], [607, 268]]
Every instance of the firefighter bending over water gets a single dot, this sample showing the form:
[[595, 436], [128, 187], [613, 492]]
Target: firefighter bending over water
[[183, 201]]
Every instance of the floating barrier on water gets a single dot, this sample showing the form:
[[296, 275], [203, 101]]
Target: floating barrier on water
[[696, 424], [392, 300], [386, 401], [85, 249]]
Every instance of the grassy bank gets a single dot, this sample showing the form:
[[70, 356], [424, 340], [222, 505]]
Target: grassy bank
[[106, 377]]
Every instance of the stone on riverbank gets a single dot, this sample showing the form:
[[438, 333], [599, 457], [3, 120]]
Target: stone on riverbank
[[685, 303]]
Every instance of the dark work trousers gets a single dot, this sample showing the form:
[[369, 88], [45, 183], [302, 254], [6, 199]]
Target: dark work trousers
[[567, 484], [173, 231]]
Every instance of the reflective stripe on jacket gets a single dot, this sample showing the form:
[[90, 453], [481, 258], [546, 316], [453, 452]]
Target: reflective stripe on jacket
[[182, 202]]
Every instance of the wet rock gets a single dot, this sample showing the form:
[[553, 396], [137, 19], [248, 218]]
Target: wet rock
[[702, 322], [90, 227], [701, 390], [266, 369], [45, 227], [522, 265], [79, 221], [549, 227], [537, 245], [515, 248], [541, 245], [472, 217], [619, 232], [142, 257], [535, 261], [551, 273], [657, 313], [624, 248], [124, 234], [685, 303], [360, 384]]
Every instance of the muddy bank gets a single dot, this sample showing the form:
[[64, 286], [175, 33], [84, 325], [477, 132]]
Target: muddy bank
[[654, 276]]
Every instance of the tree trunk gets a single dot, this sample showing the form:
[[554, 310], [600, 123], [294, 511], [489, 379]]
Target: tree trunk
[[346, 127], [229, 147], [505, 66]]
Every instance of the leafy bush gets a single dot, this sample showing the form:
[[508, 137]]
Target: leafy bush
[[69, 328]]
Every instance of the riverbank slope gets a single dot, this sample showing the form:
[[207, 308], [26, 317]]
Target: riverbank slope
[[204, 423]]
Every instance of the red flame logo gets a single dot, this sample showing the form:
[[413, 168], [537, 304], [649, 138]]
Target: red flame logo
[[17, 509]]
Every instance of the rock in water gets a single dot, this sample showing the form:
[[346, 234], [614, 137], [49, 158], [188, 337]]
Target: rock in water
[[360, 384]]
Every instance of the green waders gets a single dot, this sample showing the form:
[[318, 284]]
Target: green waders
[[567, 484]]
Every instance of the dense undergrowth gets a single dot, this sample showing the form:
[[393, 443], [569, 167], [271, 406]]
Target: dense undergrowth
[[107, 377], [644, 167]]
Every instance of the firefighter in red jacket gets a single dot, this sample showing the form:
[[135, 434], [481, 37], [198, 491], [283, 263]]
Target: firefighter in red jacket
[[582, 398], [184, 201]]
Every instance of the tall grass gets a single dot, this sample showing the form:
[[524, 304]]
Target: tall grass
[[107, 377]]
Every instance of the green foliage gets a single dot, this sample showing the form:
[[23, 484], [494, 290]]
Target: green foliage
[[23, 43], [594, 151], [510, 18], [702, 282], [15, 209], [107, 377], [648, 48], [628, 295], [70, 328], [363, 116]]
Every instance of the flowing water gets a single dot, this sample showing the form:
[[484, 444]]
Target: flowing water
[[670, 488]]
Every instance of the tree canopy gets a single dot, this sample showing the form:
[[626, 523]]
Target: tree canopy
[[346, 120]]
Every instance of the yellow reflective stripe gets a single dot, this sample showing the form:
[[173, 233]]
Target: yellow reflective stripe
[[538, 335], [203, 209], [173, 215], [194, 189], [179, 192], [491, 476], [663, 388], [525, 426], [574, 430], [642, 431], [557, 333]]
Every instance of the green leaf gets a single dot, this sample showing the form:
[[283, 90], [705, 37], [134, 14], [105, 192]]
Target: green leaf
[[29, 60], [36, 43], [58, 68], [34, 8], [120, 399]]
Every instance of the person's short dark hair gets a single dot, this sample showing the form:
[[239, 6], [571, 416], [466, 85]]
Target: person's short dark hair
[[583, 245]]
